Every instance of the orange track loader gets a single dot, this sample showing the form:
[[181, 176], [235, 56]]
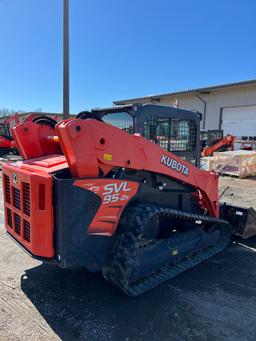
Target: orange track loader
[[116, 190]]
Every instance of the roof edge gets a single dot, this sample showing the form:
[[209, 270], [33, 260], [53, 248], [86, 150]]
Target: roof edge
[[189, 91]]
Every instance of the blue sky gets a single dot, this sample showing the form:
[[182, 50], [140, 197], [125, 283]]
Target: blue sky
[[121, 49]]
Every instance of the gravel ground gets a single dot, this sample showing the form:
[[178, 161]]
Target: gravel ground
[[240, 192], [214, 301]]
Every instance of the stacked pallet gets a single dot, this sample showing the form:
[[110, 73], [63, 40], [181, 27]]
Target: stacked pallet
[[240, 163], [207, 163]]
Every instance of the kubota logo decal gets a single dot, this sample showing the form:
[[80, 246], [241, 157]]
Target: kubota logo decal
[[175, 165], [14, 178]]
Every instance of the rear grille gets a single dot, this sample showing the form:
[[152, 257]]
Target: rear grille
[[7, 189], [26, 230], [16, 197], [18, 208], [9, 217], [26, 198], [28, 210], [17, 223]]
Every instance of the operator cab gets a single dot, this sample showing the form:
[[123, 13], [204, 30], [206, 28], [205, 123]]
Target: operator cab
[[175, 130]]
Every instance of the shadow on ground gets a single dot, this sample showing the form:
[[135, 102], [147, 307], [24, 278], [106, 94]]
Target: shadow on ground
[[214, 301]]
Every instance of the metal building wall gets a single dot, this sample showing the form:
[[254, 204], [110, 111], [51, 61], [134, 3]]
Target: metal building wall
[[228, 97], [189, 102], [216, 100]]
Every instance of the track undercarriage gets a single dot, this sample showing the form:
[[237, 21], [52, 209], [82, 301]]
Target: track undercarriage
[[149, 251]]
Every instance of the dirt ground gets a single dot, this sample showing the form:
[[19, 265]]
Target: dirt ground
[[214, 301], [240, 192]]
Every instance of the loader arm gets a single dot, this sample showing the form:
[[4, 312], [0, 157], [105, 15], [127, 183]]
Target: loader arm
[[91, 146]]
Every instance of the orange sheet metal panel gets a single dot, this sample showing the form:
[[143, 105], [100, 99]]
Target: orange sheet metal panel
[[114, 194], [28, 205]]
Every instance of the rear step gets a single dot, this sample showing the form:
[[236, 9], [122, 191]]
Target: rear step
[[242, 220], [132, 253]]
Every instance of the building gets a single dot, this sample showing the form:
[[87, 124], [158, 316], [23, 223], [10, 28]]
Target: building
[[231, 107]]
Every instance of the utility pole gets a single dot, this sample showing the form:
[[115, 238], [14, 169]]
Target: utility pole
[[65, 59]]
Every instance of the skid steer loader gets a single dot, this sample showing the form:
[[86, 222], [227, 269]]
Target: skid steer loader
[[117, 190]]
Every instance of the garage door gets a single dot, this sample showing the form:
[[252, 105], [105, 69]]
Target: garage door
[[239, 121]]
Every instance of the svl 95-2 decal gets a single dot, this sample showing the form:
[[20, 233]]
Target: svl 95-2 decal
[[115, 192], [114, 195]]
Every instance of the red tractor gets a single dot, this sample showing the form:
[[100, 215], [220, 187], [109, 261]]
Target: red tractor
[[117, 190], [7, 144], [6, 140]]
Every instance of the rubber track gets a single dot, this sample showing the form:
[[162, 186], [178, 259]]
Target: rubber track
[[123, 257]]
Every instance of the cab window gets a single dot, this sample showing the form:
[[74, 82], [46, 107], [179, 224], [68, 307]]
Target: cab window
[[171, 134], [120, 120]]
